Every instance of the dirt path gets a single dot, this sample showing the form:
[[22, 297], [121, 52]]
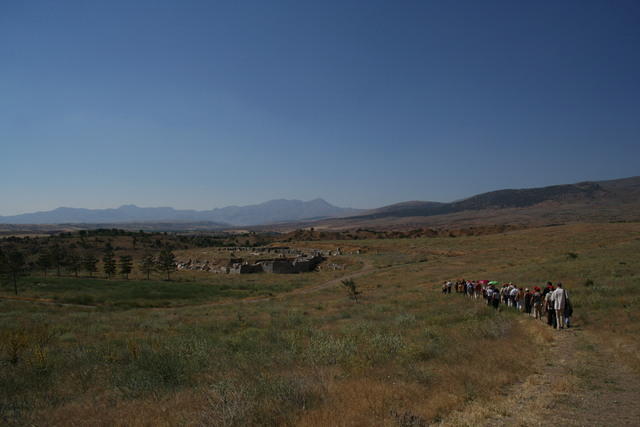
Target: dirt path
[[45, 302], [577, 383]]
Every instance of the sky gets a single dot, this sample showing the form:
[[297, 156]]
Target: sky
[[204, 104]]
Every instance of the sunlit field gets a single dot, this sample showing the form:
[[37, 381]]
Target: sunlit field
[[202, 349]]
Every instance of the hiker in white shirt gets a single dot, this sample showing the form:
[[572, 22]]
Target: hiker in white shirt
[[559, 298], [488, 294], [513, 297], [551, 312]]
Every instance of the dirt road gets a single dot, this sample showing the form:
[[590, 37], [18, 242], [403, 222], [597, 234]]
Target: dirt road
[[578, 383]]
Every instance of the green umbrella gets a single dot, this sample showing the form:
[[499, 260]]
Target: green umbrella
[[493, 282]]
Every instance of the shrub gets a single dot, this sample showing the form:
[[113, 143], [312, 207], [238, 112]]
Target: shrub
[[227, 405], [493, 329], [82, 299], [405, 319], [386, 345], [352, 289], [13, 344], [144, 367], [407, 419], [263, 400], [330, 350]]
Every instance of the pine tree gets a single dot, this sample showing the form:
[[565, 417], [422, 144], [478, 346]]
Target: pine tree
[[44, 262], [89, 264], [167, 262], [146, 264], [14, 265], [56, 254], [126, 264], [109, 261], [73, 262], [3, 262]]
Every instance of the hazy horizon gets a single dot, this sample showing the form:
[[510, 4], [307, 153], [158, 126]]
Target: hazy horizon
[[179, 208], [194, 105], [271, 200]]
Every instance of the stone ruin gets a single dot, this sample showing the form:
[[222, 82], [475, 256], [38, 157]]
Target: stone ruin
[[283, 260], [279, 265]]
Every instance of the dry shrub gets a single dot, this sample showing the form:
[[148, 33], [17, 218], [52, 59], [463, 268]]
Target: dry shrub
[[433, 368], [13, 344], [27, 343], [327, 349], [264, 400], [105, 409], [227, 405]]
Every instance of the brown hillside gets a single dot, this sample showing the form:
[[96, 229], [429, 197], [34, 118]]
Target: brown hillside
[[603, 201]]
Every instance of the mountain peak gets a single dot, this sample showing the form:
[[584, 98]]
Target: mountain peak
[[319, 201]]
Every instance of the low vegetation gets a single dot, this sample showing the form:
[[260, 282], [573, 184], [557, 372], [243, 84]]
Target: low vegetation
[[194, 350]]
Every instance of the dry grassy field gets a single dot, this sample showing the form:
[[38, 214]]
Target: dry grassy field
[[203, 350]]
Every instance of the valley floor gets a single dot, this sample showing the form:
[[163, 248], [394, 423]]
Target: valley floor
[[229, 353]]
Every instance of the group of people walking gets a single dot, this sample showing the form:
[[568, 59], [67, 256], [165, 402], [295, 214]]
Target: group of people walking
[[550, 303]]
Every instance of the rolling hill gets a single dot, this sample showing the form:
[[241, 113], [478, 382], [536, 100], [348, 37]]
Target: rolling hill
[[613, 200]]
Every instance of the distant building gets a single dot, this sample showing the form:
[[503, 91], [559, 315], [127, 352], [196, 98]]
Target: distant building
[[278, 266]]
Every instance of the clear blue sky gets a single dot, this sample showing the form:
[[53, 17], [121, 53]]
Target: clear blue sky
[[202, 104]]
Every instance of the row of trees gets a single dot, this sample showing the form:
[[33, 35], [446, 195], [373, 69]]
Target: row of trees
[[13, 263], [165, 262]]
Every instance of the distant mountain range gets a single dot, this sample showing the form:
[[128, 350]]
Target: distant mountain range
[[613, 200], [265, 213]]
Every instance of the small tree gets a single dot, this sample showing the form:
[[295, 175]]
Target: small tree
[[126, 264], [146, 264], [73, 262], [3, 262], [167, 262], [44, 262], [14, 265], [89, 264], [109, 261], [56, 254], [352, 289]]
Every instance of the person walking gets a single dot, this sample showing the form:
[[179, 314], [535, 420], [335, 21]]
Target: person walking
[[549, 308], [537, 303], [496, 298], [545, 291], [559, 302], [527, 301], [504, 293], [488, 294], [568, 310], [514, 295]]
